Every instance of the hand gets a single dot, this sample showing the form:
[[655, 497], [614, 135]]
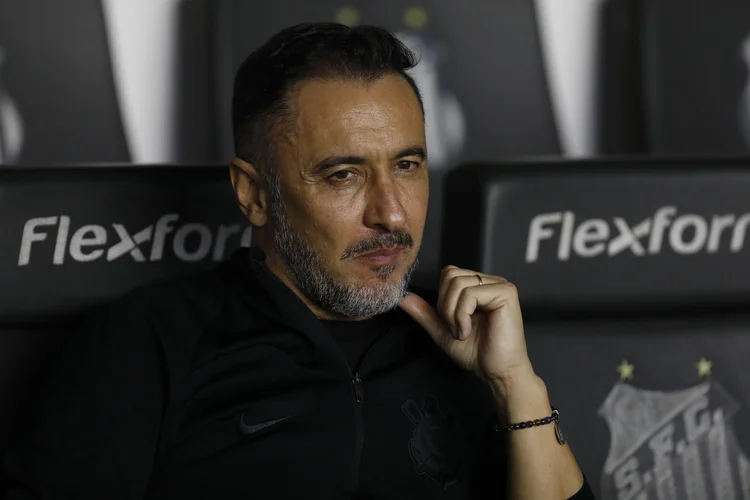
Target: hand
[[478, 325]]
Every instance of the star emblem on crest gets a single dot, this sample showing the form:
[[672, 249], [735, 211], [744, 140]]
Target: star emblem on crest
[[704, 367], [626, 370], [415, 17], [348, 16]]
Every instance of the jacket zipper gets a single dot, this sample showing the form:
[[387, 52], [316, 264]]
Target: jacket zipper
[[359, 397], [358, 393]]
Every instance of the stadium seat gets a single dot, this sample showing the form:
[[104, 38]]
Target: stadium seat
[[58, 103], [634, 287], [652, 403], [75, 238], [675, 77], [486, 95]]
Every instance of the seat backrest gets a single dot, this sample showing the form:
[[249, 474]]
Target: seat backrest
[[58, 103], [633, 283], [486, 95], [676, 74], [75, 238], [623, 233], [643, 399], [620, 121]]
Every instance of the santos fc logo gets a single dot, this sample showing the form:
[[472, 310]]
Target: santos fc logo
[[190, 242], [686, 234], [673, 445]]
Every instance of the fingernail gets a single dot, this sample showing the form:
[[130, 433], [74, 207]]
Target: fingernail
[[454, 333]]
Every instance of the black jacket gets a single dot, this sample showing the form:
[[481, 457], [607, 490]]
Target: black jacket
[[225, 385]]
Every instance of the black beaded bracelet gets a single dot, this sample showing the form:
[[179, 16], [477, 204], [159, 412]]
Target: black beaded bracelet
[[536, 423]]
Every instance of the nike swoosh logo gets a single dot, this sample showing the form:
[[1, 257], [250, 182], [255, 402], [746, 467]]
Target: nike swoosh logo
[[246, 429]]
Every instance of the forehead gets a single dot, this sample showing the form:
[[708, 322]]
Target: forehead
[[348, 114]]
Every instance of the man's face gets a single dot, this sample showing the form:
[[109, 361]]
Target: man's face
[[350, 209]]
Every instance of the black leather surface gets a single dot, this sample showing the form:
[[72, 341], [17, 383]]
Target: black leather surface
[[56, 77], [605, 235], [64, 264], [620, 121], [682, 68]]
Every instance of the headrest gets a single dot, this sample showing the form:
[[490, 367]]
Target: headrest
[[74, 237], [606, 234], [652, 54], [468, 118], [59, 108]]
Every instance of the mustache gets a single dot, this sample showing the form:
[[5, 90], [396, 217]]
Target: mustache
[[398, 238]]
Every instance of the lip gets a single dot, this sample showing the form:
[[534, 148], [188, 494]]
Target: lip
[[381, 256]]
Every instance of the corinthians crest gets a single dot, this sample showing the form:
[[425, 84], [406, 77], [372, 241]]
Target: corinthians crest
[[673, 445]]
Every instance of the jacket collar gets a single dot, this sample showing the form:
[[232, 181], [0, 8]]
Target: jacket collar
[[289, 308], [284, 306]]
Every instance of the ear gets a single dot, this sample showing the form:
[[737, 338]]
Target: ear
[[248, 187]]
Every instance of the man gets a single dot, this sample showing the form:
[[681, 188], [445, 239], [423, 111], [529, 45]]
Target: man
[[303, 368]]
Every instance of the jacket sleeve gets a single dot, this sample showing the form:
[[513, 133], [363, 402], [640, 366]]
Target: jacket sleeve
[[585, 492], [94, 432], [491, 477]]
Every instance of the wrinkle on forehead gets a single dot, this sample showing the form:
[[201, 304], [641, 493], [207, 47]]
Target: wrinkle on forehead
[[341, 117]]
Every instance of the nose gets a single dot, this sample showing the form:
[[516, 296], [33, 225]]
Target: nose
[[385, 210]]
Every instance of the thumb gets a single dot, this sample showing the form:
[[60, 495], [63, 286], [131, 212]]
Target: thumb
[[424, 314]]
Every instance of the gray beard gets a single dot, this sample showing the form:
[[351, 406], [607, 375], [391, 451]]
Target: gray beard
[[312, 278]]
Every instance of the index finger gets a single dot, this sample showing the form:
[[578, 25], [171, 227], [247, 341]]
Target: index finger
[[424, 314]]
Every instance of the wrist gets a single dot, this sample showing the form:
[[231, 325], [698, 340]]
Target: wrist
[[517, 380], [521, 397]]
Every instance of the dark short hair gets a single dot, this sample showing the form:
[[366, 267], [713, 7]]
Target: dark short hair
[[305, 51]]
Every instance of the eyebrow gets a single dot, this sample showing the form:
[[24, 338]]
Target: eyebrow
[[411, 151], [335, 161]]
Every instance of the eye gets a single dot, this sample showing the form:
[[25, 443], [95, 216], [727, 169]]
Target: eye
[[341, 175], [407, 165]]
